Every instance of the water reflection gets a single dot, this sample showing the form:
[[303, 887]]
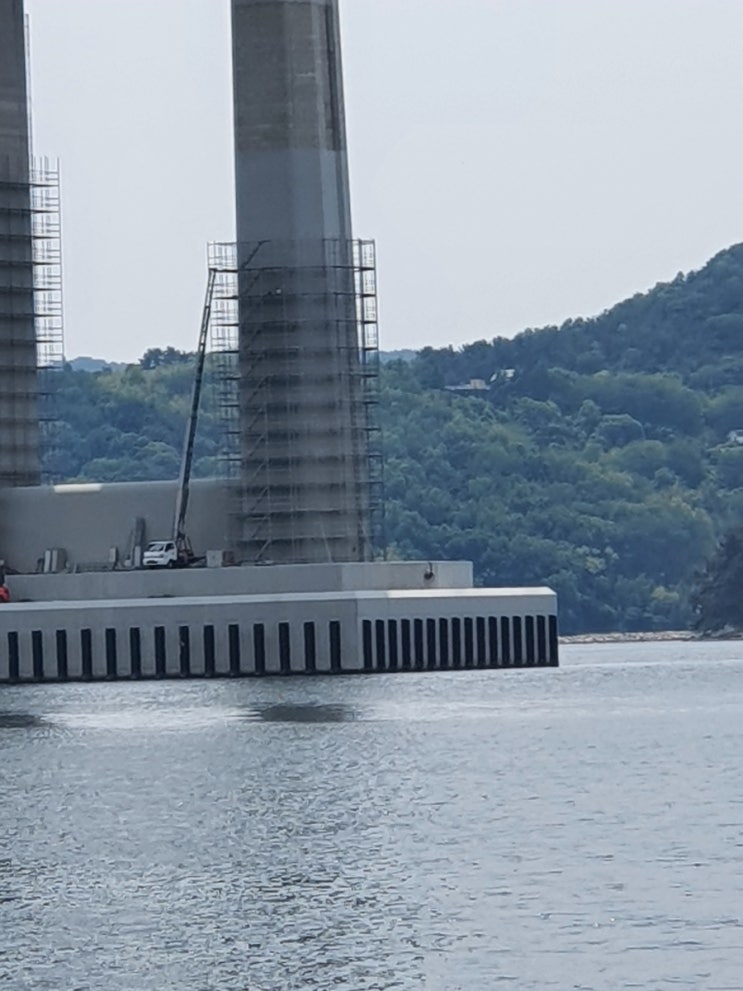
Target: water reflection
[[21, 720], [304, 713]]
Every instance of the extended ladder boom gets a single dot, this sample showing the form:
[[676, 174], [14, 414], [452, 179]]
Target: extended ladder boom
[[181, 504]]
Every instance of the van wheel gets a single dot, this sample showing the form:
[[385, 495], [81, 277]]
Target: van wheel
[[170, 564]]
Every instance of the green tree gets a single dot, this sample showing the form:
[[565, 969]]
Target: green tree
[[716, 597]]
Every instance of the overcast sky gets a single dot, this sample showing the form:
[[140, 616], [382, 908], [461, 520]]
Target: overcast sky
[[518, 161]]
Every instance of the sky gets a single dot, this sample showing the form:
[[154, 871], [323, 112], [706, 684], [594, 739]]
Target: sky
[[519, 162]]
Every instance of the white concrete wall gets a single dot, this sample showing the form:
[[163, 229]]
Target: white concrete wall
[[87, 520], [274, 579], [99, 640]]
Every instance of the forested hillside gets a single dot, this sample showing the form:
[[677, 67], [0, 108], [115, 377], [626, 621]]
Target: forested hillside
[[599, 457]]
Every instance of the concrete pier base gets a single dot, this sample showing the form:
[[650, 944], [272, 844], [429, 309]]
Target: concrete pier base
[[97, 622], [305, 633]]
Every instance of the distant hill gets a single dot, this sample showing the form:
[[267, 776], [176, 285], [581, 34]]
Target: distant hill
[[405, 354], [692, 326], [603, 457], [86, 364]]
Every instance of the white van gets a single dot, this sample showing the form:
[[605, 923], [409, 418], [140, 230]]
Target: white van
[[160, 554]]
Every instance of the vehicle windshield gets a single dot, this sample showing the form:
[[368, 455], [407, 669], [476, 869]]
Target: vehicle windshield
[[158, 545]]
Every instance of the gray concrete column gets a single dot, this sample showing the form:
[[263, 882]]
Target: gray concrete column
[[19, 418], [290, 133], [304, 450]]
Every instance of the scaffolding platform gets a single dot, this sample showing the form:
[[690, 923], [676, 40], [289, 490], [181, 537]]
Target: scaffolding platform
[[294, 339]]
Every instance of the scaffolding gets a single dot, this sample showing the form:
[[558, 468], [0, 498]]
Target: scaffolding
[[46, 235], [365, 281], [296, 362], [223, 345], [30, 313]]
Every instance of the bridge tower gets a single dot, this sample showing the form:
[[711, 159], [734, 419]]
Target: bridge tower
[[19, 415], [304, 482]]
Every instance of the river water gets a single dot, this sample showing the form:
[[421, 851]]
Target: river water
[[570, 829]]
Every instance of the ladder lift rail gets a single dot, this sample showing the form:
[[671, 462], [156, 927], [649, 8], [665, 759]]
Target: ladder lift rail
[[184, 481]]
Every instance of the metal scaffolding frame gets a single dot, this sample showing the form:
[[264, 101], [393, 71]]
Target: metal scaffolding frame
[[46, 235], [365, 282], [18, 376], [223, 345], [30, 313], [247, 453]]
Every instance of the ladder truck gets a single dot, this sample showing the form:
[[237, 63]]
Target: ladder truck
[[176, 551]]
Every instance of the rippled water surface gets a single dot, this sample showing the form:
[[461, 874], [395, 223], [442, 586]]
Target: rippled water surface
[[580, 828]]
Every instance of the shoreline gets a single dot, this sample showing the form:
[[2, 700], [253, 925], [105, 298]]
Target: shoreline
[[659, 636]]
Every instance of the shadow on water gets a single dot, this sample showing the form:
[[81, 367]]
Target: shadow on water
[[303, 713], [21, 720]]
